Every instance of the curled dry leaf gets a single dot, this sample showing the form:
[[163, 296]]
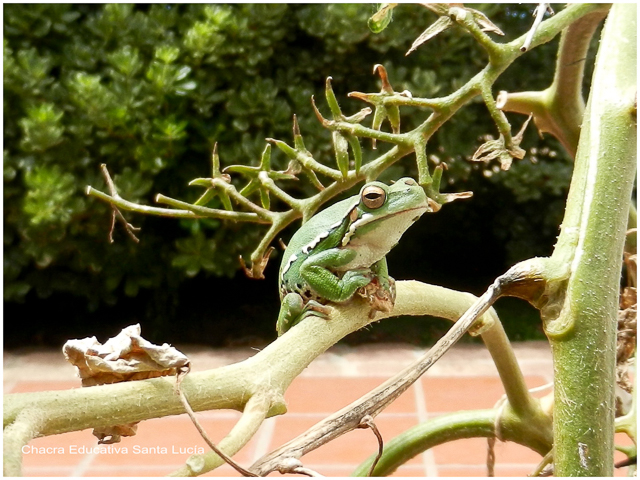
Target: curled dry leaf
[[627, 326], [434, 29], [445, 21], [123, 358], [483, 21], [500, 150]]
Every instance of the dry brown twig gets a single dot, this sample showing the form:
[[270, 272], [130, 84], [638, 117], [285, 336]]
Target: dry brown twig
[[181, 374]]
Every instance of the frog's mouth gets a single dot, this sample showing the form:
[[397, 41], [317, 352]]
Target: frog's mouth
[[369, 219]]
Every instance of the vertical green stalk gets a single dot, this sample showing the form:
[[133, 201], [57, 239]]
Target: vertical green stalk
[[593, 234]]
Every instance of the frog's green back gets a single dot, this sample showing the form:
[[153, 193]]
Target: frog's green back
[[317, 225]]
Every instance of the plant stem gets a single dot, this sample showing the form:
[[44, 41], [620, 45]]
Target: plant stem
[[450, 427], [16, 435], [592, 240], [412, 442]]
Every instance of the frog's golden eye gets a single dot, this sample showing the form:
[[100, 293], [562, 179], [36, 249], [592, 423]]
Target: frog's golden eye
[[373, 196]]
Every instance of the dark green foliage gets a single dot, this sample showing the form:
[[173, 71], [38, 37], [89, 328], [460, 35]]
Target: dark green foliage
[[148, 90]]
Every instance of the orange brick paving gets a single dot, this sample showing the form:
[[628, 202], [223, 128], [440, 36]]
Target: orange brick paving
[[464, 379]]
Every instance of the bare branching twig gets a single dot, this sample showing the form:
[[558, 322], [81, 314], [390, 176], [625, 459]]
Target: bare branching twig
[[115, 212]]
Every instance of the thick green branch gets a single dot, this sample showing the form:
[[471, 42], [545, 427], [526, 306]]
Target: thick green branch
[[422, 437], [450, 427], [583, 332], [379, 398], [20, 432]]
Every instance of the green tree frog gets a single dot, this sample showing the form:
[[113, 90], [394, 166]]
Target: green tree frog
[[341, 251]]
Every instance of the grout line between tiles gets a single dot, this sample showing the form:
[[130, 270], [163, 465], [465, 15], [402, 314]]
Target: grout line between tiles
[[83, 465], [428, 459], [8, 387], [264, 438]]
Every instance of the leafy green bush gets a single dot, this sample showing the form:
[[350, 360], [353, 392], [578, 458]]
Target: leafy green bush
[[148, 90]]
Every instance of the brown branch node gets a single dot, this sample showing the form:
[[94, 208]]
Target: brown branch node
[[367, 422]]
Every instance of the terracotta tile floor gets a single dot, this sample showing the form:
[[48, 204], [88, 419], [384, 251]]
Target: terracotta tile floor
[[464, 379]]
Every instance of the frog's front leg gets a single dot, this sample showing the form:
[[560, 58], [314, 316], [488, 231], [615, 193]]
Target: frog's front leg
[[381, 273], [293, 310], [317, 272], [381, 292]]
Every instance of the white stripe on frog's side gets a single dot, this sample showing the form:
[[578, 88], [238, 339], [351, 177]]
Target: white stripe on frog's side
[[307, 248], [321, 236], [292, 259], [311, 245], [354, 226]]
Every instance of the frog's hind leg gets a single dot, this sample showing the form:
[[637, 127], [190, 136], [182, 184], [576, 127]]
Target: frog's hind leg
[[293, 310], [318, 272]]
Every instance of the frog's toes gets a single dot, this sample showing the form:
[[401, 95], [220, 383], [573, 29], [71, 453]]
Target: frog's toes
[[381, 295], [315, 308]]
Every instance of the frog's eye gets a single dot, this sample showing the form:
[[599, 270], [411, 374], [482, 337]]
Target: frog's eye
[[373, 197]]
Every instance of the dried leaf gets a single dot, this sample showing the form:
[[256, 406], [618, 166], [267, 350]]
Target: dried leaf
[[384, 77], [123, 358], [437, 27], [485, 24], [628, 298], [498, 149], [517, 138], [113, 434], [506, 158], [627, 332], [488, 151], [451, 197]]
